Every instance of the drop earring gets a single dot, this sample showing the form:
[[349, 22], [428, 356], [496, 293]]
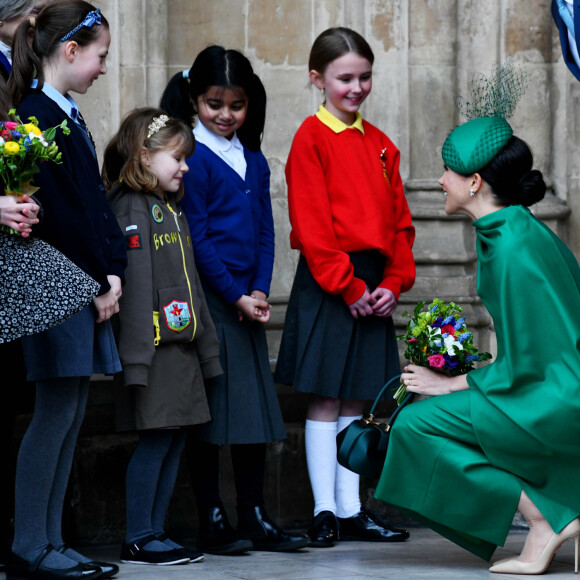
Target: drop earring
[[471, 193]]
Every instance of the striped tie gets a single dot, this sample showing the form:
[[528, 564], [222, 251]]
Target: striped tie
[[566, 16]]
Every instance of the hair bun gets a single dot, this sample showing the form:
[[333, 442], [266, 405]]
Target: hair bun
[[532, 188]]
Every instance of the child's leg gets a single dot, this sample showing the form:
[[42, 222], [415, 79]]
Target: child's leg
[[215, 532], [347, 482], [43, 459], [254, 524], [320, 441], [142, 483], [166, 484], [249, 463]]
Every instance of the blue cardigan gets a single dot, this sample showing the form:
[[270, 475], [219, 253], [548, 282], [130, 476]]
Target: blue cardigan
[[231, 223], [77, 219]]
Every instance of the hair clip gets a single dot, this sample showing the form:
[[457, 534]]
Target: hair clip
[[92, 18], [185, 74], [156, 124], [383, 158]]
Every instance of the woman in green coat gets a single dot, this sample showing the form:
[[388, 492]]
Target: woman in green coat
[[505, 437]]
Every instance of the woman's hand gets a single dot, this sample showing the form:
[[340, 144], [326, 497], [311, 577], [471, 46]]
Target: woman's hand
[[363, 306], [424, 381], [116, 284], [385, 302], [254, 307], [18, 213]]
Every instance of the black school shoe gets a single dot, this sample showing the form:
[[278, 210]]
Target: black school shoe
[[368, 527], [255, 525], [18, 568], [216, 535], [193, 555], [135, 553], [108, 570], [324, 530]]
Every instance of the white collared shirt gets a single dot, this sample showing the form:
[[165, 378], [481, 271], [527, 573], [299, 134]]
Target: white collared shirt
[[6, 51], [230, 150]]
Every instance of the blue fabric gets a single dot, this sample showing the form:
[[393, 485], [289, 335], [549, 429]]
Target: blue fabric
[[564, 37], [566, 16], [75, 348], [231, 223]]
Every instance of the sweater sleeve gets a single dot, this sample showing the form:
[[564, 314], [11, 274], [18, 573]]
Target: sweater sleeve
[[399, 274], [197, 183], [135, 319], [311, 219], [265, 260]]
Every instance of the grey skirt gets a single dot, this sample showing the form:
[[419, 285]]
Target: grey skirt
[[243, 402], [324, 350]]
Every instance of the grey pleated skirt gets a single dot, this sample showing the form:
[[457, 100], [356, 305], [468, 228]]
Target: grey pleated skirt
[[324, 350], [243, 402]]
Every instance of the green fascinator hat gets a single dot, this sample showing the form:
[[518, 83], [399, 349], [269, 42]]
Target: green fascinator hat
[[472, 145]]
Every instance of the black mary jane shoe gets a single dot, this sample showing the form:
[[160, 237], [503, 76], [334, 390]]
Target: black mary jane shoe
[[368, 527], [18, 568], [323, 532], [254, 524], [193, 555], [216, 535], [108, 570], [135, 553]]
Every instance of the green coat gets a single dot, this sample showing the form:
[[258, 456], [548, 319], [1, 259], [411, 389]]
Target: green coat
[[522, 410]]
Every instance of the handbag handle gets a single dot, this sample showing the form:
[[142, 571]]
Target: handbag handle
[[405, 402]]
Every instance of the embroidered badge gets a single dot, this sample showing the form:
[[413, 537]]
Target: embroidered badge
[[157, 213], [134, 242], [177, 315]]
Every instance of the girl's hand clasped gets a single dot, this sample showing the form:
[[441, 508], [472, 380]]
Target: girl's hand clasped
[[254, 307]]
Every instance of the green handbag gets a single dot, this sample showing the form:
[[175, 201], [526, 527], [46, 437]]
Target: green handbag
[[362, 446]]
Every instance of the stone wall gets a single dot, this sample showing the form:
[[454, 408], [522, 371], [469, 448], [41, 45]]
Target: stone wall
[[426, 51]]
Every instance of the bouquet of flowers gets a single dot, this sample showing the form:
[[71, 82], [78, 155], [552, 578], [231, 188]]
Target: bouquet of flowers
[[438, 338], [22, 147]]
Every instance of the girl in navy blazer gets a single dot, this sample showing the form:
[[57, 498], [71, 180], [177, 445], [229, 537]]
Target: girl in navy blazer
[[70, 42]]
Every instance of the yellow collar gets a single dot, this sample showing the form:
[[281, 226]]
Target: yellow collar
[[336, 124]]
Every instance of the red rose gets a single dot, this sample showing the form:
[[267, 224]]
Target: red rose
[[436, 361], [449, 329], [10, 125]]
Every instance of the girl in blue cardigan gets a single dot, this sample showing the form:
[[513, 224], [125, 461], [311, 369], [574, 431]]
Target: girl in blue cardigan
[[227, 203]]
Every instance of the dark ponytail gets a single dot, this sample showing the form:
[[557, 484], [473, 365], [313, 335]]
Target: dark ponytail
[[54, 22], [511, 177], [228, 69]]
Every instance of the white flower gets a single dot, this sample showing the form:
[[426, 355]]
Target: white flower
[[450, 342], [2, 142]]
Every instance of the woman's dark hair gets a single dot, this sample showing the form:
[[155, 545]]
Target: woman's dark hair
[[4, 103], [228, 69], [54, 22], [334, 43], [123, 154], [511, 177]]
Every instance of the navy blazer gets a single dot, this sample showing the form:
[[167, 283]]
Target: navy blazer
[[564, 41], [77, 219]]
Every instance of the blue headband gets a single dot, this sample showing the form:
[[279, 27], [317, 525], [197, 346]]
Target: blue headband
[[90, 20]]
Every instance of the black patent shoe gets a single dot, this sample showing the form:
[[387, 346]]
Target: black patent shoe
[[216, 535], [135, 553], [18, 568], [368, 527], [324, 530], [254, 524], [108, 570]]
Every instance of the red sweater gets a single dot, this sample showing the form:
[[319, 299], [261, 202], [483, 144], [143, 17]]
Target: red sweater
[[340, 201]]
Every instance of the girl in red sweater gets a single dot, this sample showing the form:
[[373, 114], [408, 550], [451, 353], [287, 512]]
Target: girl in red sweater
[[352, 226]]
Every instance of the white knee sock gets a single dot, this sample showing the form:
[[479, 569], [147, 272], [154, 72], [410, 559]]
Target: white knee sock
[[347, 492], [320, 440]]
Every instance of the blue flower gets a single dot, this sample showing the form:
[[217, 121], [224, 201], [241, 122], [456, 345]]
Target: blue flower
[[436, 307], [459, 323], [464, 336], [449, 320], [438, 323], [471, 358], [450, 361], [16, 134]]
